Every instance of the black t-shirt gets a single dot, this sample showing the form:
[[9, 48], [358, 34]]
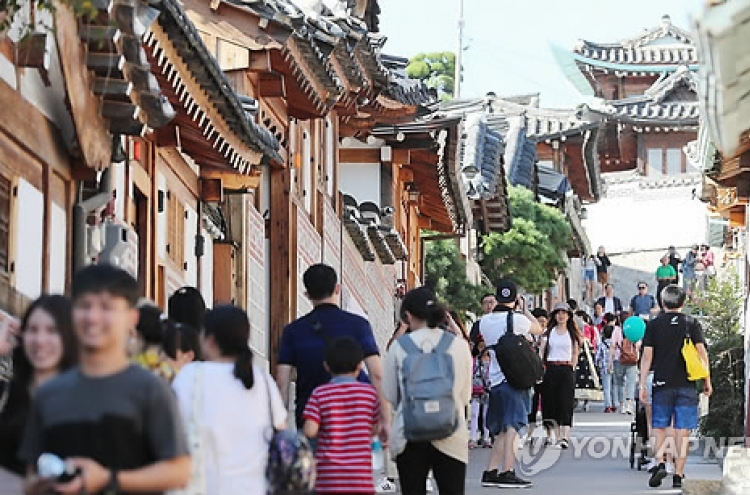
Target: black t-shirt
[[666, 335], [128, 420]]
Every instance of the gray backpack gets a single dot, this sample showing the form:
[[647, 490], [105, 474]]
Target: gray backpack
[[430, 413]]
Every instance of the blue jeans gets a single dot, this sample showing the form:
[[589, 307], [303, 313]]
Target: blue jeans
[[626, 381], [607, 386]]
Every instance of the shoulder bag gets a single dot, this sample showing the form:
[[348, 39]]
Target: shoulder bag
[[291, 460]]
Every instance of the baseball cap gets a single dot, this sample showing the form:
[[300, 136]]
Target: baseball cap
[[507, 291]]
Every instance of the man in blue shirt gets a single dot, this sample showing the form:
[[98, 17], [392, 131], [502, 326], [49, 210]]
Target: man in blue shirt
[[643, 303], [304, 340]]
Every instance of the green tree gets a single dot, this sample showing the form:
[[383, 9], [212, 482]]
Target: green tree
[[437, 70], [719, 308], [533, 251], [445, 273]]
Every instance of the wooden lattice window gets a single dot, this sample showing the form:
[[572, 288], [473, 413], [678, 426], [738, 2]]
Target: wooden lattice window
[[175, 230], [5, 198]]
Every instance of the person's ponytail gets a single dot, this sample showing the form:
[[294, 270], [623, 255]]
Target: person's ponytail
[[243, 368], [435, 314]]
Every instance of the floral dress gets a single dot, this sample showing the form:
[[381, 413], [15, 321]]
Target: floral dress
[[153, 360]]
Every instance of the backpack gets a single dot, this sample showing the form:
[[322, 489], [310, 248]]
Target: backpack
[[429, 411], [517, 358], [628, 353]]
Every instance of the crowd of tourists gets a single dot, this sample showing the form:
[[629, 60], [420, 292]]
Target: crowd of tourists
[[108, 395]]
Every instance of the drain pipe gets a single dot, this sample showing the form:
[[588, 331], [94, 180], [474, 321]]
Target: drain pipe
[[81, 211]]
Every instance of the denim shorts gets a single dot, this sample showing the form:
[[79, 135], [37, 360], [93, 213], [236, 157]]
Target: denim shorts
[[589, 275], [677, 407], [508, 408]]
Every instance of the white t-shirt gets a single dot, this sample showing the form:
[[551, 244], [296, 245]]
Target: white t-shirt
[[609, 305], [560, 347], [234, 423], [492, 327]]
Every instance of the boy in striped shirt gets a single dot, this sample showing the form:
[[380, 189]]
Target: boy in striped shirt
[[343, 414]]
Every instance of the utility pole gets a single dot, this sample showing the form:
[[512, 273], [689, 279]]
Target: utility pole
[[457, 76]]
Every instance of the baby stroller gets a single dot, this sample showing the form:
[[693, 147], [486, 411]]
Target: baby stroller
[[639, 438]]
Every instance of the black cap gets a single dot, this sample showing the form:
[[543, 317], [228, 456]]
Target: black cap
[[507, 291]]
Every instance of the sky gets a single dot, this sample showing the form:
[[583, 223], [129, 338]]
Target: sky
[[507, 42]]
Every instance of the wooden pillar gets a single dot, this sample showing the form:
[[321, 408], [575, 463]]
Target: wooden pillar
[[283, 259]]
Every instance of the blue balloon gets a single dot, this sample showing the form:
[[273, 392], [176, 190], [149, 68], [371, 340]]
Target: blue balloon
[[634, 328]]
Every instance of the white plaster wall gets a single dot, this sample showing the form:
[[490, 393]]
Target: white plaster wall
[[58, 249], [191, 230], [361, 181], [120, 188], [161, 219], [632, 218], [29, 237], [637, 224], [207, 269]]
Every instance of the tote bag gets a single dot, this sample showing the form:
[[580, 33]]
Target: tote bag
[[696, 368]]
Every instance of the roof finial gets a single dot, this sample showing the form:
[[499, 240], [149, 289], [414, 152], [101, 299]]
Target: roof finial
[[666, 20]]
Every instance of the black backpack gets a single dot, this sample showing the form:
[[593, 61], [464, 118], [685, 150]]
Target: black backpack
[[520, 363]]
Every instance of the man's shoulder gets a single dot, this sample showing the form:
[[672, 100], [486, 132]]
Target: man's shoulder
[[61, 383]]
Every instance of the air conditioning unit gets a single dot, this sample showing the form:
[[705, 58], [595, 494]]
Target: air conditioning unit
[[120, 247]]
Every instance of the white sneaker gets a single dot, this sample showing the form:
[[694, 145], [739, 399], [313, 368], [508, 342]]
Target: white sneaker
[[522, 441], [670, 468], [430, 486], [385, 486]]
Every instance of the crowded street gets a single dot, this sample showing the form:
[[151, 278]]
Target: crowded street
[[277, 247]]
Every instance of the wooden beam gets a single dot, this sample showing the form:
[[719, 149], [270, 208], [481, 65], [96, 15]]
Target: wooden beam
[[91, 127], [402, 157], [283, 259], [425, 222], [231, 180], [271, 85], [359, 155]]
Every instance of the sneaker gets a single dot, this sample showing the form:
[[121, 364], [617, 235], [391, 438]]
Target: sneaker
[[607, 409], [563, 444], [652, 466], [658, 476], [677, 481], [613, 410], [472, 445], [510, 480], [386, 485], [670, 468], [488, 444], [491, 479], [547, 442], [430, 486]]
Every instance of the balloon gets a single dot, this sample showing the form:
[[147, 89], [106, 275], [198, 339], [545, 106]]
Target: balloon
[[634, 328]]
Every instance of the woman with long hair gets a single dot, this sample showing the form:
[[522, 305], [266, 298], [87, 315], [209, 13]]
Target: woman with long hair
[[561, 346], [230, 415], [46, 347], [448, 456]]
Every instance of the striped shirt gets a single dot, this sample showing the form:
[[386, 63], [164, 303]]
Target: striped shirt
[[347, 412]]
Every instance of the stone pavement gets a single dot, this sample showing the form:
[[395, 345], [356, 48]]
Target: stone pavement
[[597, 463]]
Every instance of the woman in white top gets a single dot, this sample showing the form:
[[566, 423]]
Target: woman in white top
[[230, 416], [561, 345], [447, 457]]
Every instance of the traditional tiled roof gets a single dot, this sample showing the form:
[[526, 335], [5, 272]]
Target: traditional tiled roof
[[205, 69], [663, 45], [132, 100], [671, 101], [482, 151]]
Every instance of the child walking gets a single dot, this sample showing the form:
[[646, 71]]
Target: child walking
[[343, 415], [479, 395]]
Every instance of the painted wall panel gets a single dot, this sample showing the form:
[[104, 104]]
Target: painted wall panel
[[207, 270], [29, 236], [58, 249], [191, 230]]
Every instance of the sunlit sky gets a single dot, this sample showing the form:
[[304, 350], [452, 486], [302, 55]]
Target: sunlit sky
[[507, 42]]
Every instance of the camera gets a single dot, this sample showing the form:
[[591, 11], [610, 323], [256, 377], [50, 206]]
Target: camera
[[50, 466]]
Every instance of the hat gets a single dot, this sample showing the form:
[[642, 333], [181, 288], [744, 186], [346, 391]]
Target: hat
[[507, 292], [561, 306]]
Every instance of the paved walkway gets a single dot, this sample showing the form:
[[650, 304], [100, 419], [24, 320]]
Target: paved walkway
[[597, 463]]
